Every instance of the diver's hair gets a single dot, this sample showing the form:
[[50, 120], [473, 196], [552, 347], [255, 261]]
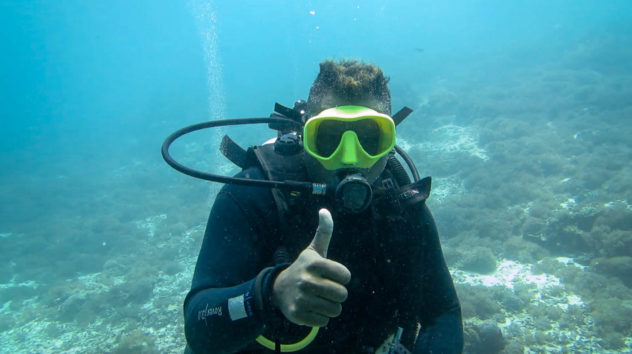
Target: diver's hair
[[349, 82]]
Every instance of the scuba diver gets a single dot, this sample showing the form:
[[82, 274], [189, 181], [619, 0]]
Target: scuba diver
[[323, 242]]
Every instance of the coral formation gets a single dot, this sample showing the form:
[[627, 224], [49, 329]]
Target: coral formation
[[531, 193], [484, 338]]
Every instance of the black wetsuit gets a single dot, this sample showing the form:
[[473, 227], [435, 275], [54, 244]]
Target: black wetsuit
[[398, 277]]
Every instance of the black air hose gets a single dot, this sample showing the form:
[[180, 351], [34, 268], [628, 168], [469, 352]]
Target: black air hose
[[398, 171]]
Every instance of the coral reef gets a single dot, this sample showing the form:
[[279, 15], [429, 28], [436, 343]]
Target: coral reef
[[531, 193]]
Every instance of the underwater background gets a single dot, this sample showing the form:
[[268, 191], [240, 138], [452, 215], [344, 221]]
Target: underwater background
[[522, 115]]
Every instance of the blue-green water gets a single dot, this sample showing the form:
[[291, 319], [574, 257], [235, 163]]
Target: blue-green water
[[522, 117]]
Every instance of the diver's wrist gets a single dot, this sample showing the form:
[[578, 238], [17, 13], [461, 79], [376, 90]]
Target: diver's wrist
[[268, 304]]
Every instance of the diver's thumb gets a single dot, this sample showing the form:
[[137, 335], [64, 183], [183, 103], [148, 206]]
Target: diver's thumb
[[320, 243]]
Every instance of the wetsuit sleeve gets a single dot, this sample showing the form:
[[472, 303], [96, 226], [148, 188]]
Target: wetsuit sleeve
[[228, 305], [437, 308]]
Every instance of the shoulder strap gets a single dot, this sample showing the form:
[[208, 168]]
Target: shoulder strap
[[280, 167], [235, 153]]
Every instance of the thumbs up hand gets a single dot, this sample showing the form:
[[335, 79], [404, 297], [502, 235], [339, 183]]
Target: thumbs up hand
[[311, 290]]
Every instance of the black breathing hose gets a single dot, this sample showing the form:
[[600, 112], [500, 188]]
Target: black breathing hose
[[226, 179], [409, 162]]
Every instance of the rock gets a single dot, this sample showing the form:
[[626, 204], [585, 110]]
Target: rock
[[620, 266], [485, 338], [480, 260]]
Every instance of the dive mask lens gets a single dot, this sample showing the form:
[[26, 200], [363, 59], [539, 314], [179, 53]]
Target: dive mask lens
[[327, 137], [373, 137], [329, 134]]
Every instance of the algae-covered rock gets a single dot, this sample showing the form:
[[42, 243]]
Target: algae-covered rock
[[514, 348], [620, 267], [612, 321], [512, 303], [136, 341], [613, 242], [478, 301], [480, 260], [523, 250], [484, 338], [534, 228], [617, 216], [612, 341]]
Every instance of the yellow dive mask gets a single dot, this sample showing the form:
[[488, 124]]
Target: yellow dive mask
[[349, 137]]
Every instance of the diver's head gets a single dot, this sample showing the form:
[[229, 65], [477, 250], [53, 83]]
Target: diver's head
[[349, 133], [349, 82], [348, 141]]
